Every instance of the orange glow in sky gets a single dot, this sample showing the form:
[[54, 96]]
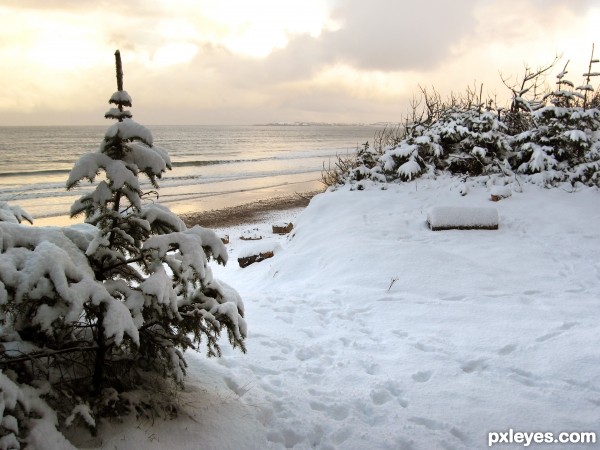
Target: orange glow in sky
[[242, 62]]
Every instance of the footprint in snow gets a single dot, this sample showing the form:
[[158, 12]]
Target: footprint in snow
[[400, 333], [568, 325], [435, 425], [473, 365], [341, 436], [507, 349], [526, 378], [305, 354], [423, 376], [560, 330], [454, 298], [335, 411], [371, 368], [430, 424], [380, 396], [288, 320], [289, 438], [387, 392], [548, 336]]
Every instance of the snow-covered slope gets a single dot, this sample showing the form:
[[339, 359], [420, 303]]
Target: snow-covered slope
[[369, 331]]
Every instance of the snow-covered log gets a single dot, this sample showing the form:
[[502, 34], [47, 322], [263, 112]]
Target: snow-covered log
[[462, 218]]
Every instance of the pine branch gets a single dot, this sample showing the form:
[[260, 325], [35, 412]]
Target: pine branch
[[43, 354]]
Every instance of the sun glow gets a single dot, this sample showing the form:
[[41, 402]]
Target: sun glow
[[257, 28], [179, 53], [51, 40]]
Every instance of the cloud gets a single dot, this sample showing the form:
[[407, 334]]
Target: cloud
[[379, 35], [198, 61], [389, 35]]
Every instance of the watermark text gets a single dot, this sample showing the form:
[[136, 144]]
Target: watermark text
[[539, 437]]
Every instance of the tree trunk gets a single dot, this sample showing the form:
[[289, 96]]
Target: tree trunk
[[119, 70], [98, 376]]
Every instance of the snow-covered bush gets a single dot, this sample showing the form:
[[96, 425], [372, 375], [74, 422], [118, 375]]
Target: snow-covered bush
[[564, 145], [462, 140], [362, 166], [547, 139], [100, 309]]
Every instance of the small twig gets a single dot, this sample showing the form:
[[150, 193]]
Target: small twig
[[392, 283]]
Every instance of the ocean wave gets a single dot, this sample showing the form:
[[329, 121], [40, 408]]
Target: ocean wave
[[34, 173], [56, 190], [207, 161], [200, 163], [30, 173]]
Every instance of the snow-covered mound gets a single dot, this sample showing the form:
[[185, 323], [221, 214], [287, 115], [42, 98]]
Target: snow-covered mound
[[369, 331]]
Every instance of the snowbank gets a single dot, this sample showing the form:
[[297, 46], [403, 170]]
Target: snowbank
[[367, 330]]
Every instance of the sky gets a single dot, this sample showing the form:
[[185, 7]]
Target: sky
[[260, 61]]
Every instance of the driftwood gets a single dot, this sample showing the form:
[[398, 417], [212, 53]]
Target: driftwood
[[251, 235], [283, 228], [247, 260]]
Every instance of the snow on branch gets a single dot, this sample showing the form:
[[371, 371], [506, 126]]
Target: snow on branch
[[121, 98], [38, 264], [116, 113], [129, 130], [194, 246], [147, 159], [13, 214]]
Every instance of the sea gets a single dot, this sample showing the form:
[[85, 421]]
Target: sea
[[214, 167]]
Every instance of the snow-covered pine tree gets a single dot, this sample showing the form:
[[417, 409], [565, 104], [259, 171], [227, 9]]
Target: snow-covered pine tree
[[90, 312], [146, 258], [564, 144]]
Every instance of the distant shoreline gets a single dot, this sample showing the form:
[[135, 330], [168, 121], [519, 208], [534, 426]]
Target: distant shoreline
[[324, 124]]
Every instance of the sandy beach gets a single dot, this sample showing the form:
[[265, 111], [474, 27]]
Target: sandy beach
[[248, 213]]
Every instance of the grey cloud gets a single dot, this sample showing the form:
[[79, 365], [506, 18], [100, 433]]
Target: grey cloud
[[577, 6], [398, 35], [392, 35], [378, 35], [381, 35]]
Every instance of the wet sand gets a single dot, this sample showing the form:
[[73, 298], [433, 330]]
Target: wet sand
[[247, 213]]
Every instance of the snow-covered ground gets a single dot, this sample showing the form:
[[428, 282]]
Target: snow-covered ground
[[369, 331]]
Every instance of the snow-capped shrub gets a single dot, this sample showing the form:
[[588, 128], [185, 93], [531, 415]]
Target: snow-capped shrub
[[549, 139], [106, 308], [564, 143], [462, 141]]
